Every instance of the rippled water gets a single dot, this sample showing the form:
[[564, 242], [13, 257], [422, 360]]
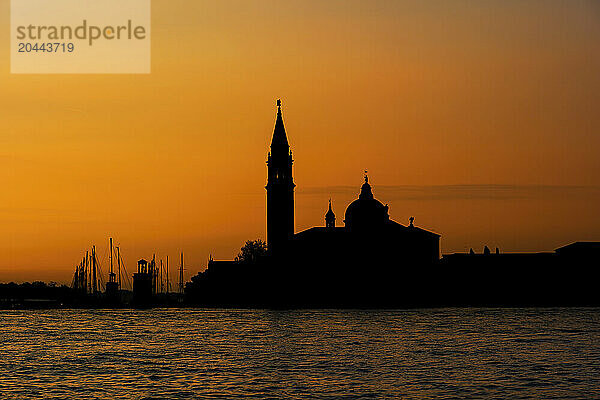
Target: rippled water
[[469, 353]]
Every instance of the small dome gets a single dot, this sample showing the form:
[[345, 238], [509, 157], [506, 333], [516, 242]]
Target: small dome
[[366, 212]]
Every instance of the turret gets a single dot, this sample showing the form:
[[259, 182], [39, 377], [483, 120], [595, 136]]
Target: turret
[[330, 217]]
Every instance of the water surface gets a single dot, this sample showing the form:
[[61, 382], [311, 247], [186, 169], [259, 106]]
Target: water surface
[[186, 354]]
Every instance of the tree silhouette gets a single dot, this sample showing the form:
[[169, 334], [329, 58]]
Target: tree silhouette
[[252, 251]]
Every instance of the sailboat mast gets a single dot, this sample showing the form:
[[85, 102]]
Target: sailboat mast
[[94, 283], [88, 281], [181, 275], [111, 257], [153, 273], [119, 264], [162, 287]]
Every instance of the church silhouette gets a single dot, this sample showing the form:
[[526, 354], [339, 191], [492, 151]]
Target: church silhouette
[[372, 261], [368, 231], [356, 264]]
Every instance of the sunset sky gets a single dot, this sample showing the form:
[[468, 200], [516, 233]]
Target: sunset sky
[[479, 118]]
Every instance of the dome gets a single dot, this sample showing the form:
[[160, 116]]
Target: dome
[[366, 211]]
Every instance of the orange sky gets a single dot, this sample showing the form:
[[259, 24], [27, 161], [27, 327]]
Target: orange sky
[[481, 119]]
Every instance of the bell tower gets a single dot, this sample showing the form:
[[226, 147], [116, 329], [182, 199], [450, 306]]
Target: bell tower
[[280, 188]]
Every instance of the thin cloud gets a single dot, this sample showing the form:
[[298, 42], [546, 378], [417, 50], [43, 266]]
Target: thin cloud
[[459, 192]]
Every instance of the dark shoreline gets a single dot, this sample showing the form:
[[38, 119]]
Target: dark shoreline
[[4, 307]]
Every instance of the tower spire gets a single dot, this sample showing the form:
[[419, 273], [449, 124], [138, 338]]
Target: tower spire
[[280, 187], [279, 140]]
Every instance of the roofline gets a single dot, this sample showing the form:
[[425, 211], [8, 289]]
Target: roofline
[[577, 243]]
